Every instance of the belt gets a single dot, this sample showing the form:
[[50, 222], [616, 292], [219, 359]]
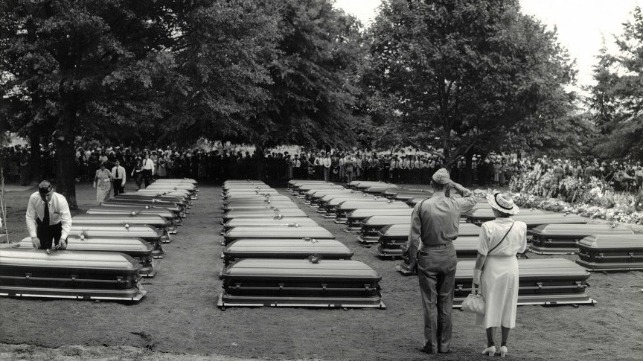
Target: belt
[[437, 246]]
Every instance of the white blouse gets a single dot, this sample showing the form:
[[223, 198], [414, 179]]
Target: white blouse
[[492, 232]]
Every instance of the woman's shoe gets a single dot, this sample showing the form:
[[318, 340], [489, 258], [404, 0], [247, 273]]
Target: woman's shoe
[[490, 351], [503, 351]]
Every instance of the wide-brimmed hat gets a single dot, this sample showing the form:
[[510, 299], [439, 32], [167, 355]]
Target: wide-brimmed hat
[[503, 203]]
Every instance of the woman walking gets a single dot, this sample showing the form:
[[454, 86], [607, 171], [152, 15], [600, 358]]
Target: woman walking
[[496, 269], [103, 183]]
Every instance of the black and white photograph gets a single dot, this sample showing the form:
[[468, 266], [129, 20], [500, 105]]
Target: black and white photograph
[[321, 180]]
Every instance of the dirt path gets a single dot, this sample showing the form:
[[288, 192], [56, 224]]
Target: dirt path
[[179, 314]]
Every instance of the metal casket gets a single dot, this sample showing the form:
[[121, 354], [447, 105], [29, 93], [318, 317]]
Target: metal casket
[[370, 231], [300, 283], [149, 234], [546, 281], [135, 205], [315, 232], [269, 222], [611, 252], [133, 247], [356, 218], [125, 220], [342, 210], [261, 207], [484, 214], [564, 238], [282, 213], [535, 220], [397, 234], [285, 249], [68, 274], [465, 247], [125, 211]]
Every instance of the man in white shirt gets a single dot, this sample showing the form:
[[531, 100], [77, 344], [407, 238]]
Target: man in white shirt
[[48, 218], [120, 176], [148, 169]]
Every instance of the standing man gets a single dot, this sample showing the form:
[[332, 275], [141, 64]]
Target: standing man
[[48, 218], [148, 169], [434, 226], [120, 176]]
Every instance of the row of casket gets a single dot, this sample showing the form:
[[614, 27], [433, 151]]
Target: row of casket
[[109, 249], [274, 257]]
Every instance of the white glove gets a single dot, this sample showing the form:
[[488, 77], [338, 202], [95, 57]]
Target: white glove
[[476, 276]]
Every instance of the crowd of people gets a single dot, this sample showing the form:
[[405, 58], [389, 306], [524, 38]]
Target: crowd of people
[[276, 166]]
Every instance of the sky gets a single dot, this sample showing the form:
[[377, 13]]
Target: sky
[[581, 24]]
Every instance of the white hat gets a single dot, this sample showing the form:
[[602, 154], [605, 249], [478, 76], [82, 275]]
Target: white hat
[[503, 203]]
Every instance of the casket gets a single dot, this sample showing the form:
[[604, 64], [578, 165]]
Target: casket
[[465, 247], [378, 189], [370, 231], [547, 281], [269, 222], [125, 220], [133, 247], [260, 207], [398, 234], [282, 213], [355, 219], [302, 189], [285, 249], [406, 196], [149, 195], [611, 252], [146, 202], [125, 211], [315, 232], [330, 201], [342, 210], [68, 274], [481, 215], [564, 238], [149, 234], [313, 197], [176, 180], [232, 193], [359, 184], [300, 283], [176, 209], [535, 220], [257, 199]]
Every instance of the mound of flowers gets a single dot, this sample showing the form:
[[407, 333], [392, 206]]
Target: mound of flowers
[[595, 199]]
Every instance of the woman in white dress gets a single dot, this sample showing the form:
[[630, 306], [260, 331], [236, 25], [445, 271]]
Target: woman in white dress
[[496, 269], [102, 183]]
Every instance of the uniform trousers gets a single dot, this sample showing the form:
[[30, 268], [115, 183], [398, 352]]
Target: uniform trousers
[[436, 274]]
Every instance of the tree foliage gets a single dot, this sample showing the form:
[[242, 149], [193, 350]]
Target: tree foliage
[[617, 97], [467, 75]]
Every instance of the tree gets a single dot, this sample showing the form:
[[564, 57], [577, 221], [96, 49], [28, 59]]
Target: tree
[[86, 67], [617, 97], [467, 75]]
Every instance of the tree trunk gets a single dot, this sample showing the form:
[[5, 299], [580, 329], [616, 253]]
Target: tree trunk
[[34, 158], [468, 172], [65, 154]]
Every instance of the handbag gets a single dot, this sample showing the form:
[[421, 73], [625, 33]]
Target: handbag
[[474, 302]]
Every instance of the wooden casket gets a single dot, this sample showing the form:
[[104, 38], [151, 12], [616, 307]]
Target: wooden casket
[[129, 211], [282, 213], [397, 234], [546, 281], [269, 222], [342, 210], [125, 220], [564, 238], [465, 247], [484, 214], [611, 252], [68, 274], [133, 247], [370, 231], [355, 219], [285, 249], [315, 232], [149, 234], [300, 283]]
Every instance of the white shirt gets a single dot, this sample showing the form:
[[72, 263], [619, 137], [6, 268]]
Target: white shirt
[[148, 164], [58, 213], [121, 174]]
